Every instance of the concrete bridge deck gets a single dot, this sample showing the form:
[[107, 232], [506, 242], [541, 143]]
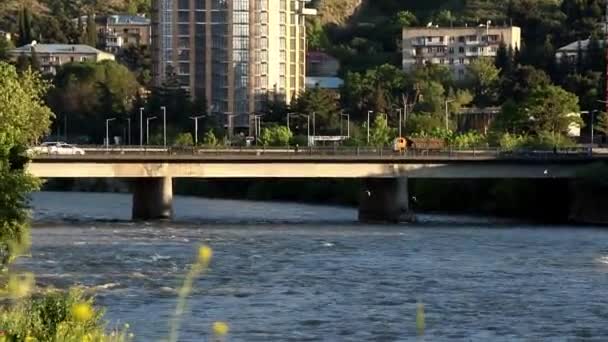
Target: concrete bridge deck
[[384, 193], [216, 165]]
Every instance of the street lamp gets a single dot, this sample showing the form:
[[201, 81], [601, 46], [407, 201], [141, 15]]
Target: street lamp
[[141, 126], [257, 122], [164, 109], [447, 120], [347, 123], [195, 118], [129, 130], [108, 131], [369, 112], [289, 114], [148, 129], [400, 122]]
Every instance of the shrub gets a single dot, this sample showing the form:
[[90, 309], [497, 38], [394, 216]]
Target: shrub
[[57, 316], [275, 136], [183, 140]]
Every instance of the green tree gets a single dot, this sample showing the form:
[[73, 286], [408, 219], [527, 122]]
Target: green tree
[[504, 59], [25, 34], [183, 140], [24, 118], [317, 37], [518, 85], [5, 47], [90, 92], [406, 19], [276, 136], [380, 133], [323, 104], [550, 109], [35, 61], [91, 31], [209, 139], [483, 77], [602, 123]]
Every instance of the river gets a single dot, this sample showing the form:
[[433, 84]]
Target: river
[[291, 272]]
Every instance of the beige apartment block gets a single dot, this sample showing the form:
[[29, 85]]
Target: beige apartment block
[[52, 56], [455, 47], [234, 54]]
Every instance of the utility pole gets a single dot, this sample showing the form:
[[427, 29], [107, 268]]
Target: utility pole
[[164, 126], [129, 130], [606, 52], [400, 122], [148, 129], [195, 118], [141, 126], [108, 131], [447, 114], [369, 112]]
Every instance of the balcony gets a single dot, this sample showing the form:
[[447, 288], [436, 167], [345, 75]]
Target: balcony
[[426, 43]]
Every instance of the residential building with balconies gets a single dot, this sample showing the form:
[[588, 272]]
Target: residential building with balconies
[[234, 54], [455, 47]]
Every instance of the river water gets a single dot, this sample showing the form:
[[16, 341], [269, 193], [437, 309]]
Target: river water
[[288, 272]]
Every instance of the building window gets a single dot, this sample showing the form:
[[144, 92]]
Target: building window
[[461, 49]]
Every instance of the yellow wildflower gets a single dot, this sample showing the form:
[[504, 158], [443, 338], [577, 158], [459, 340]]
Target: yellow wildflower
[[204, 254], [420, 319], [220, 328], [82, 312], [21, 286]]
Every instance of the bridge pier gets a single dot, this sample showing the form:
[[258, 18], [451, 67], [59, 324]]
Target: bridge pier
[[385, 200], [152, 198]]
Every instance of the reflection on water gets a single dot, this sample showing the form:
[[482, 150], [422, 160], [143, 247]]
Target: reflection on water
[[286, 272]]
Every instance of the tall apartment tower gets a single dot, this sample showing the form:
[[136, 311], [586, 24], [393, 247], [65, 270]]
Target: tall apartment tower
[[455, 47], [232, 53]]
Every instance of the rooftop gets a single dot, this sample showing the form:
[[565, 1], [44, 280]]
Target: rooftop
[[57, 48], [574, 46], [126, 19]]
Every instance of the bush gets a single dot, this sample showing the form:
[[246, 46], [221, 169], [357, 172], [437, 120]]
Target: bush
[[469, 140], [183, 140], [57, 316], [510, 142], [276, 136], [210, 139]]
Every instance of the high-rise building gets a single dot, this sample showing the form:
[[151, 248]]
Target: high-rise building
[[455, 47], [234, 54]]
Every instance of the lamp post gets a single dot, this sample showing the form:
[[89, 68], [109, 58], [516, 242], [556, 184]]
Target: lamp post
[[369, 112], [195, 118], [257, 122], [141, 126], [148, 129], [288, 115], [164, 109], [447, 120], [129, 131], [108, 131], [400, 122], [347, 124]]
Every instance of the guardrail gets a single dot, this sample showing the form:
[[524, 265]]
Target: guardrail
[[354, 152]]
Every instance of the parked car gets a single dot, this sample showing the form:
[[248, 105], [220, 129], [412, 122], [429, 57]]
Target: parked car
[[56, 148]]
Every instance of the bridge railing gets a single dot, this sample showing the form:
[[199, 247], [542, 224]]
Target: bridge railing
[[339, 152]]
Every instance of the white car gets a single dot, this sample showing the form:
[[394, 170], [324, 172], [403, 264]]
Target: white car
[[56, 148]]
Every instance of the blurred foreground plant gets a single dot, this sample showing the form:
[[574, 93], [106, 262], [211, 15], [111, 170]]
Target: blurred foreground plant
[[201, 264]]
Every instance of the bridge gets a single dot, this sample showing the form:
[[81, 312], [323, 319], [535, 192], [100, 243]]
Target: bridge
[[384, 174]]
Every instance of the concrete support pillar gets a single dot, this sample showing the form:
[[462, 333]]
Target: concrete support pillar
[[385, 200], [152, 198]]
